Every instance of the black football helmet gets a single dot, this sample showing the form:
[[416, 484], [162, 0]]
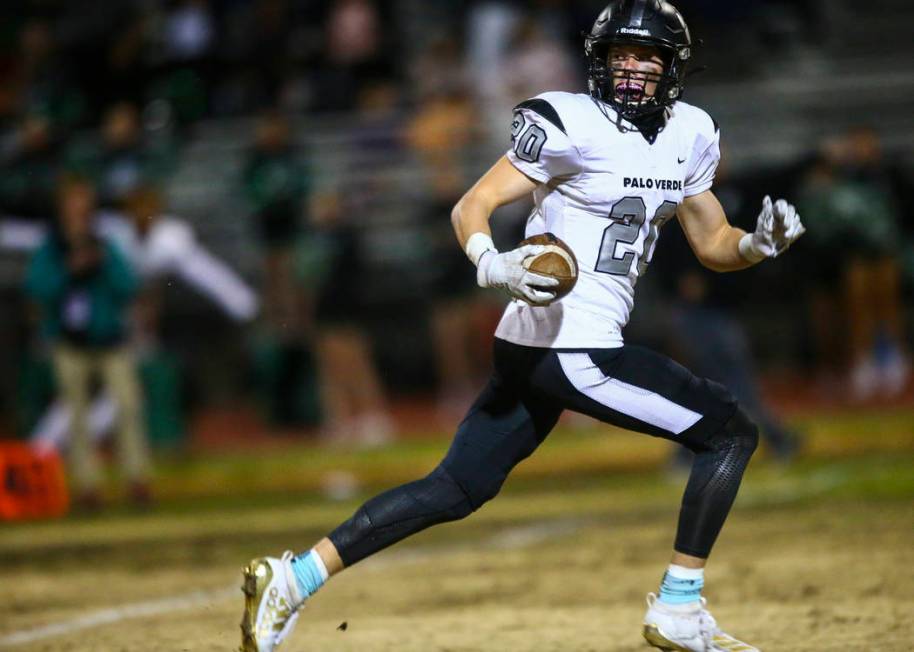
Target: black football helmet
[[655, 23]]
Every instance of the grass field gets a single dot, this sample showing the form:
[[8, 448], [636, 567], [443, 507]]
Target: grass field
[[814, 557]]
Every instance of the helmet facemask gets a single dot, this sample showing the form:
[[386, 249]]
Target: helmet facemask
[[624, 89]]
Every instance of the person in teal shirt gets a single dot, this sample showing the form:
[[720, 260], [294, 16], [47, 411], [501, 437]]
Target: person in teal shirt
[[84, 289], [83, 286]]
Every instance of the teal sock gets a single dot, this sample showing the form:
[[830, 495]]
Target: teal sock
[[310, 572], [681, 585]]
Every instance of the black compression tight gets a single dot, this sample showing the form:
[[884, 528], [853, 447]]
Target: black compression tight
[[399, 513], [713, 483], [439, 497]]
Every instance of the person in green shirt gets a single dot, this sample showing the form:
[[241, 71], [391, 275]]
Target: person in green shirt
[[84, 288], [275, 187], [120, 157], [854, 218]]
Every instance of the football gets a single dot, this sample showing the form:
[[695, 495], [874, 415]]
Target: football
[[557, 261]]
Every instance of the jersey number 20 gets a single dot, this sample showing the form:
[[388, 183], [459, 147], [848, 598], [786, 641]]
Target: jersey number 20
[[528, 140], [628, 217]]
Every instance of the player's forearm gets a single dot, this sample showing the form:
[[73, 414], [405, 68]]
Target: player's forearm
[[471, 215], [721, 254], [501, 185]]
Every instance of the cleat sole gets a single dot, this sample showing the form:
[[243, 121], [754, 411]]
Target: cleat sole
[[654, 636], [249, 588]]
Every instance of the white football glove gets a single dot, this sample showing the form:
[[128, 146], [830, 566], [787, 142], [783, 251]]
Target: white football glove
[[778, 227], [506, 271]]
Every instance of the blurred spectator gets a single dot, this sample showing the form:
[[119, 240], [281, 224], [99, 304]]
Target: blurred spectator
[[127, 61], [538, 62], [182, 58], [438, 72], [84, 288], [489, 28], [440, 131], [353, 32], [445, 119], [853, 219], [162, 245], [790, 23], [514, 55], [354, 407], [276, 185], [43, 81], [356, 52], [725, 358], [271, 47], [29, 168], [122, 159], [188, 31], [454, 301]]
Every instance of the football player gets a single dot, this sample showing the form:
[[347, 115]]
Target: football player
[[606, 169]]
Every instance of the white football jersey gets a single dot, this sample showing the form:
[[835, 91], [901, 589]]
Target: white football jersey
[[606, 192]]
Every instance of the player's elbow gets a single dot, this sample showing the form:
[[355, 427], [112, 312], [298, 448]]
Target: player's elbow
[[716, 264], [456, 214], [711, 263], [473, 203]]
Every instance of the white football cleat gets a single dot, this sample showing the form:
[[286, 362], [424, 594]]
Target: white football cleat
[[681, 629], [271, 603]]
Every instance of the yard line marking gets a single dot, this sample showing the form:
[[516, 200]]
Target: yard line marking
[[107, 616], [787, 492], [530, 535], [509, 539]]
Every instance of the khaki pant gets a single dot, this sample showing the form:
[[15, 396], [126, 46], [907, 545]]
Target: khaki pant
[[75, 369]]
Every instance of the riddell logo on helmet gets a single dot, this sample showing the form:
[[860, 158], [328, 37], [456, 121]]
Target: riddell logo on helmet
[[633, 30]]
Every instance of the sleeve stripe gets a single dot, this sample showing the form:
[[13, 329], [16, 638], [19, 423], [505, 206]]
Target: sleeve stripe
[[545, 109]]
